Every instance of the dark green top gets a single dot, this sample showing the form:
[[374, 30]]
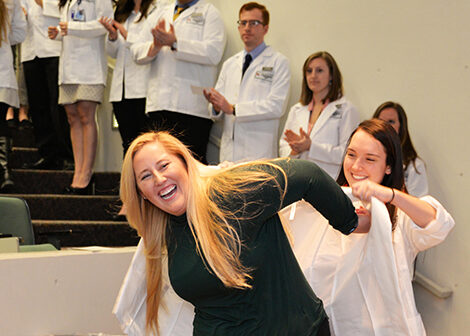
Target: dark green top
[[280, 302]]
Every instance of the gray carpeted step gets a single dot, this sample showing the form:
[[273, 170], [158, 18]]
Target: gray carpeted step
[[32, 181], [67, 207], [84, 233]]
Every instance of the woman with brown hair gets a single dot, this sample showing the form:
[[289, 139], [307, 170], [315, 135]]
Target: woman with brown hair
[[319, 125], [228, 253], [416, 180]]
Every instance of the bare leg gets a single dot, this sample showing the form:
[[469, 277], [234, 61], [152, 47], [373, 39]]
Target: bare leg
[[76, 136], [10, 113], [86, 112], [23, 113]]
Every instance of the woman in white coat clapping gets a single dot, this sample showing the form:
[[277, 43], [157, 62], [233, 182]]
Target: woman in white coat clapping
[[416, 180], [12, 31], [129, 83], [319, 125], [82, 77]]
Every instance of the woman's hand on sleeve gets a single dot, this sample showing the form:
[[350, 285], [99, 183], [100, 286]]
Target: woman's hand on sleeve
[[420, 212], [120, 27], [108, 24]]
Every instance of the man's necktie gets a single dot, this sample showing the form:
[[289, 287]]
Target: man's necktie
[[246, 64], [179, 10]]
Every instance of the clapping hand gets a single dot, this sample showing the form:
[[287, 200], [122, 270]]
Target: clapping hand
[[298, 142]]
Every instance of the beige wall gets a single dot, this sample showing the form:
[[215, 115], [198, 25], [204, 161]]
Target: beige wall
[[414, 52]]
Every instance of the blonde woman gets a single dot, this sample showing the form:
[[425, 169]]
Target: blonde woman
[[228, 253], [12, 31]]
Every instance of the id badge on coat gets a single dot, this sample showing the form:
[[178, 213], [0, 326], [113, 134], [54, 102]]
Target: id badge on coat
[[265, 74], [79, 15]]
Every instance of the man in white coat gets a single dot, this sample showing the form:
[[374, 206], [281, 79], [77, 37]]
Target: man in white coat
[[251, 92], [184, 41]]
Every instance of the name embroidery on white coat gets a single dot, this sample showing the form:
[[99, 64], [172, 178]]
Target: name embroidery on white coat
[[265, 74], [196, 19]]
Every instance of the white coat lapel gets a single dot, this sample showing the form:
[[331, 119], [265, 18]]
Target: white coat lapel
[[189, 11], [329, 110], [254, 66]]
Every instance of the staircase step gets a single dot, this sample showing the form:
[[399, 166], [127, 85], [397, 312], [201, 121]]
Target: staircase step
[[23, 138], [68, 207], [22, 155], [33, 181], [84, 233]]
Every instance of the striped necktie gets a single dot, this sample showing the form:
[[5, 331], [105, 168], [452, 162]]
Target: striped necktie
[[179, 10]]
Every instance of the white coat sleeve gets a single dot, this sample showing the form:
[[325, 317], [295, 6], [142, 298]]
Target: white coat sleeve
[[93, 28], [416, 180], [272, 106], [112, 47], [141, 45], [284, 148], [50, 8], [330, 153], [18, 24], [434, 233], [210, 48]]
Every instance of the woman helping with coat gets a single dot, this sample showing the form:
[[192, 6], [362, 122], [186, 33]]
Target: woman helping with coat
[[228, 253], [373, 270], [82, 78], [319, 125]]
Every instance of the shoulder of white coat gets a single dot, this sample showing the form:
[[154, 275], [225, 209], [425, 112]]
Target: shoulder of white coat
[[233, 58], [270, 52], [344, 105], [298, 108], [207, 6]]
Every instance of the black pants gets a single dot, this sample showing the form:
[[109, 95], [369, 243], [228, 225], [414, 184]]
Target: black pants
[[191, 130], [132, 120], [51, 129], [4, 131]]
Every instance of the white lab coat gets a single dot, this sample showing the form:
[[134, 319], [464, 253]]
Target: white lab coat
[[16, 34], [416, 180], [37, 43], [133, 75], [260, 99], [364, 280], [200, 35], [329, 135], [83, 58]]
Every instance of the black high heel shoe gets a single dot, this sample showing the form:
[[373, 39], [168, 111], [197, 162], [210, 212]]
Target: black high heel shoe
[[88, 190]]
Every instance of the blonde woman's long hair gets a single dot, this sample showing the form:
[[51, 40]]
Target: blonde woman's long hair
[[4, 22], [215, 239]]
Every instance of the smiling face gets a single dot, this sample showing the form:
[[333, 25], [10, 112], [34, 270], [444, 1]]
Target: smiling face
[[390, 115], [365, 159], [162, 178], [252, 36], [318, 77]]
